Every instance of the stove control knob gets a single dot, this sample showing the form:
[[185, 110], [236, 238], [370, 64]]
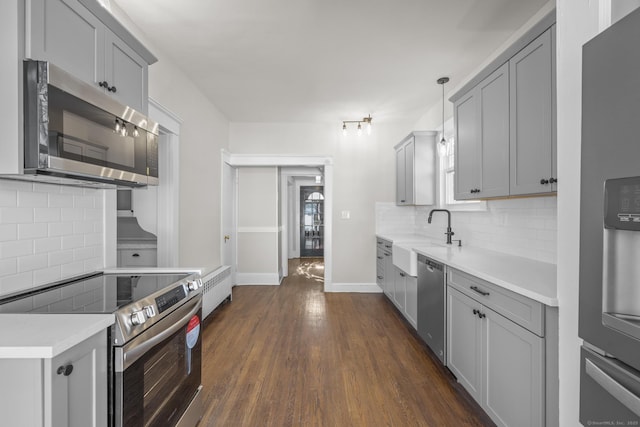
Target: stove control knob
[[138, 318], [150, 311], [192, 285]]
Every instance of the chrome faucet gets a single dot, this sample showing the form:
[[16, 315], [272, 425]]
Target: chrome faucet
[[449, 233]]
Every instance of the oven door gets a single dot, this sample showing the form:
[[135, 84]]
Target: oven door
[[158, 373]]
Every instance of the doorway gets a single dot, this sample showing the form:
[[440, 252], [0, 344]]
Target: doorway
[[311, 221]]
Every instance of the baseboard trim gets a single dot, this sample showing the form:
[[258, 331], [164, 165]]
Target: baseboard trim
[[257, 279], [369, 288]]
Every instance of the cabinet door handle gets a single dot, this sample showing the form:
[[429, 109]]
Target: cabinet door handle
[[480, 291], [475, 312], [387, 254], [402, 274], [135, 255], [104, 84], [544, 181], [65, 370], [481, 315], [380, 277], [112, 89], [553, 180], [379, 257]]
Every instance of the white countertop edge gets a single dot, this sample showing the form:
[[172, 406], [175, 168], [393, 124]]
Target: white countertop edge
[[543, 298], [151, 270], [70, 330]]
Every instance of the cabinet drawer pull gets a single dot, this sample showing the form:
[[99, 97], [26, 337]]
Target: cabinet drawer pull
[[387, 254], [65, 370], [379, 257], [387, 246], [402, 201], [402, 274], [135, 255], [480, 291], [380, 277]]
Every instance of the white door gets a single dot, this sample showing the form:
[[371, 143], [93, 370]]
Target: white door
[[229, 188]]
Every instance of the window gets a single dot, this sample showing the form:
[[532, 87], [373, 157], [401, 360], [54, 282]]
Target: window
[[447, 179]]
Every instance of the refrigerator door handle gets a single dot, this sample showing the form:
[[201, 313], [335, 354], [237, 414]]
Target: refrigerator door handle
[[614, 388]]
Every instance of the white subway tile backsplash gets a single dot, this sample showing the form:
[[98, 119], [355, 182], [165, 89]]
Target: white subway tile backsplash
[[72, 269], [46, 215], [8, 198], [32, 200], [47, 275], [32, 231], [16, 282], [524, 227], [60, 228], [61, 257], [48, 233], [49, 244], [72, 242], [16, 248], [8, 266], [16, 215], [8, 232], [32, 262]]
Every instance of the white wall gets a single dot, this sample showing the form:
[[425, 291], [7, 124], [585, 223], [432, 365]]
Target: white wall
[[48, 233], [204, 131], [258, 226], [577, 22], [364, 171]]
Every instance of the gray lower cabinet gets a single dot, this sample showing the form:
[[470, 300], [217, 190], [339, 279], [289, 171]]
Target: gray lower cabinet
[[500, 363], [69, 390], [533, 133], [411, 300], [97, 54], [399, 294]]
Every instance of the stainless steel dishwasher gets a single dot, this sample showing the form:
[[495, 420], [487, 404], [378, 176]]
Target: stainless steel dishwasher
[[432, 305]]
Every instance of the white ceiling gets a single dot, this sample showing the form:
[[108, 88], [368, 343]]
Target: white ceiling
[[327, 60]]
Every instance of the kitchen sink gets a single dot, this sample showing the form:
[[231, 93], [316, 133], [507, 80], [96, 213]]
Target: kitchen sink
[[405, 258]]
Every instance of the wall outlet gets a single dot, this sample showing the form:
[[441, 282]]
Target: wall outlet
[[345, 215]]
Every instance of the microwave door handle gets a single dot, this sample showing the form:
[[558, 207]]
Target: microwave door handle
[[617, 390], [131, 355]]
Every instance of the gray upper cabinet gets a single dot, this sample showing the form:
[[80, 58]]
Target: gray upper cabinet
[[505, 122], [532, 118], [482, 143], [69, 35], [467, 176], [416, 169]]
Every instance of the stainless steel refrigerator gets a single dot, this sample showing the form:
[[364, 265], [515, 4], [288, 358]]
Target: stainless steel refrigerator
[[610, 227]]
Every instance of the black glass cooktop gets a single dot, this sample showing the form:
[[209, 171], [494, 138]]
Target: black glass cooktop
[[97, 294]]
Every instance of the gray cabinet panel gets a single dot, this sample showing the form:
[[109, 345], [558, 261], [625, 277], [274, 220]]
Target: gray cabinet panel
[[127, 72], [467, 175], [401, 198], [464, 342], [68, 35], [409, 171], [531, 117], [494, 131], [411, 298], [399, 293], [389, 276], [514, 365]]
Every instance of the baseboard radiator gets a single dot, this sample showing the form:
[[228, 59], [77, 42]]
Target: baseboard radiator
[[216, 289]]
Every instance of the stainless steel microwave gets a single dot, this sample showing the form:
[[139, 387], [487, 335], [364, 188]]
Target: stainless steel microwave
[[74, 130]]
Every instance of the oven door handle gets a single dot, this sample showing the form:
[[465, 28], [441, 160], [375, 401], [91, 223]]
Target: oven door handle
[[133, 351], [617, 390]]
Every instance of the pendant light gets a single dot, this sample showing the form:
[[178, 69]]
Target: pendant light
[[442, 146]]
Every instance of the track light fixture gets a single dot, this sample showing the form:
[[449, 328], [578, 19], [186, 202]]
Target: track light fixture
[[366, 120]]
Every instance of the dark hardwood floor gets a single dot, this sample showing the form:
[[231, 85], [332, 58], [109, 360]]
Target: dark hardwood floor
[[292, 355]]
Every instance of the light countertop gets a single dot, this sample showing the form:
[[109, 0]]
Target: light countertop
[[530, 278], [44, 336]]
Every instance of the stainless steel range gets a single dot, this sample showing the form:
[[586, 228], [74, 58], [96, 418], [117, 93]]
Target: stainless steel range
[[155, 346]]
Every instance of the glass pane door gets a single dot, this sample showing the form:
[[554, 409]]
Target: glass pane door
[[311, 221]]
